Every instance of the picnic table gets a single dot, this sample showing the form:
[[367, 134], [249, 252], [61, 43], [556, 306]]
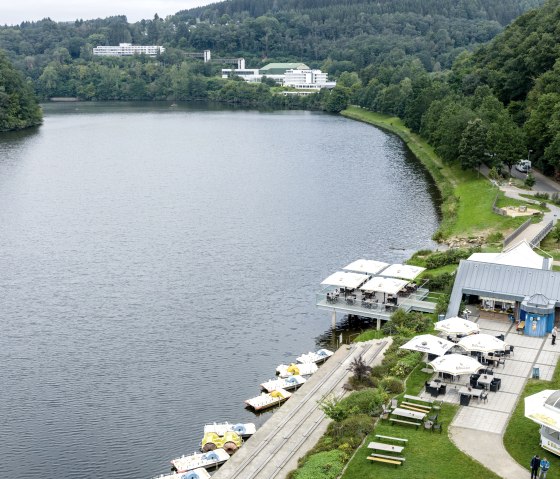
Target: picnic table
[[409, 414], [380, 446], [418, 399]]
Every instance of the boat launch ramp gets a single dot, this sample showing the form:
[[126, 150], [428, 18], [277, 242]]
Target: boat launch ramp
[[273, 451]]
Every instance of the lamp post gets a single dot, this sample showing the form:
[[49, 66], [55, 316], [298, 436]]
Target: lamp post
[[529, 160]]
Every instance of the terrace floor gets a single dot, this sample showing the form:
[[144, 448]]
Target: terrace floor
[[481, 424]]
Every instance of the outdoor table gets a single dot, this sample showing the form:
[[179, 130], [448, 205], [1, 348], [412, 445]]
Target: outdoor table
[[409, 414], [434, 384], [485, 380], [379, 446], [472, 392]]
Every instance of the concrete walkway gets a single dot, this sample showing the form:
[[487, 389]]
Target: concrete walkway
[[478, 428], [296, 426]]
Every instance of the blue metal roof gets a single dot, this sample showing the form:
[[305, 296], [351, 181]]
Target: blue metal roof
[[501, 281]]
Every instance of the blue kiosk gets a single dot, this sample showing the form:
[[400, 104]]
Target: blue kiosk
[[538, 313]]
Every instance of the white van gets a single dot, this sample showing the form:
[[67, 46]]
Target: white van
[[523, 166]]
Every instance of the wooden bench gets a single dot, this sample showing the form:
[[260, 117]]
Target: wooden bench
[[402, 421], [420, 400], [415, 407], [391, 438], [396, 461]]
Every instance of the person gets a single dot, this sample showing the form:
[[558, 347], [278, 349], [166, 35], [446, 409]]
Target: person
[[545, 466], [554, 333], [535, 464]]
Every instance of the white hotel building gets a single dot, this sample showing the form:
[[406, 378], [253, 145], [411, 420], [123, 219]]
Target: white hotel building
[[128, 49]]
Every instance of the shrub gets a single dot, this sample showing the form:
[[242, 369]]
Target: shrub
[[439, 282], [368, 382], [495, 237], [543, 196], [379, 371], [451, 256], [392, 385], [530, 180], [367, 401], [357, 426], [326, 465]]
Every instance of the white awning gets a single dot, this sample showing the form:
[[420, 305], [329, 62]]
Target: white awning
[[384, 285], [538, 411], [405, 271], [366, 266], [428, 343], [346, 280]]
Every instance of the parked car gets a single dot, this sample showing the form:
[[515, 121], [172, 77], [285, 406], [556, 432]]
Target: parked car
[[524, 166]]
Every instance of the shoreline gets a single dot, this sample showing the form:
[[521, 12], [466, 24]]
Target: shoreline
[[425, 154]]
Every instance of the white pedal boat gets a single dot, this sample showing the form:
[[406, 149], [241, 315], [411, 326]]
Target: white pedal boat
[[304, 369], [290, 382], [199, 473], [318, 357], [206, 460], [268, 400]]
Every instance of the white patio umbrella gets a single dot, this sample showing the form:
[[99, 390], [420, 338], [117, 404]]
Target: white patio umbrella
[[541, 408], [483, 343], [455, 364], [427, 343], [456, 325], [346, 280]]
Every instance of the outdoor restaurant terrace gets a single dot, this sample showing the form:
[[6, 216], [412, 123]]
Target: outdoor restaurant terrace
[[374, 289]]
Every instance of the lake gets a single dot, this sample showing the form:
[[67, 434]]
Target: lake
[[157, 264]]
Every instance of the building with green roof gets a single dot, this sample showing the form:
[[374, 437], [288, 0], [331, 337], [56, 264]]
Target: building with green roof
[[281, 68]]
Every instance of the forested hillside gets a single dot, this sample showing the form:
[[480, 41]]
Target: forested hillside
[[18, 106], [339, 37]]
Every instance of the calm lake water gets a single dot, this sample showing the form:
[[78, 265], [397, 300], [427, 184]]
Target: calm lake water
[[158, 263]]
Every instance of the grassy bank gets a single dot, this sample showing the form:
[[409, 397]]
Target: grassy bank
[[522, 437], [428, 455], [467, 196]]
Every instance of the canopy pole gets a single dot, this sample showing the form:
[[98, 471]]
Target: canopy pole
[[333, 319]]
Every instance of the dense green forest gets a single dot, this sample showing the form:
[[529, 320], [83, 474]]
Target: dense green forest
[[18, 106], [339, 37]]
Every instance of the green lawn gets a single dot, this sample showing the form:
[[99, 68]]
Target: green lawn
[[428, 455], [467, 196], [522, 437]]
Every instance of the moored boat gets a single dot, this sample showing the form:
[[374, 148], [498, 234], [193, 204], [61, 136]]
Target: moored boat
[[268, 400], [304, 369], [206, 460], [199, 473], [290, 382], [229, 442], [245, 430], [320, 356]]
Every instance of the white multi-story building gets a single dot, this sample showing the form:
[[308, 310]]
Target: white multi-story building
[[128, 49], [307, 79], [248, 74]]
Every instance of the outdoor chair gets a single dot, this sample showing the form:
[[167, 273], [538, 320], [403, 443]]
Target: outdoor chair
[[438, 426], [511, 350], [428, 425], [474, 379], [433, 418], [394, 403], [484, 396], [443, 389]]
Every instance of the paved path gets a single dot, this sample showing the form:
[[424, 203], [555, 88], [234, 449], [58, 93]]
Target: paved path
[[297, 425], [478, 429]]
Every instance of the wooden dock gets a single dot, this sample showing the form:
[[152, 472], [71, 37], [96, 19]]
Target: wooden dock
[[296, 427]]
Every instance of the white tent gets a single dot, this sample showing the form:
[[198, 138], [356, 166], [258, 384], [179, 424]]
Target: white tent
[[404, 271], [384, 285], [345, 279], [456, 325], [541, 408], [520, 254], [366, 266], [456, 364], [427, 343], [483, 343]]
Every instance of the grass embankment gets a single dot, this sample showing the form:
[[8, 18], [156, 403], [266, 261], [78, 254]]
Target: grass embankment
[[467, 196], [522, 437], [428, 455]]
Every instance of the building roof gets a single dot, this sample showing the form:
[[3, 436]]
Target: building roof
[[501, 281], [520, 254], [280, 68]]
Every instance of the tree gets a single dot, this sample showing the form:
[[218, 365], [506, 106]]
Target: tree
[[472, 147]]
